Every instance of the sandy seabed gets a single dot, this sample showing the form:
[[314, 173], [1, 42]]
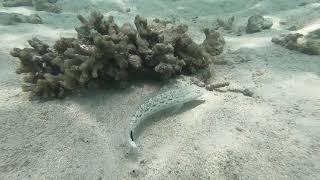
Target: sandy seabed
[[273, 135]]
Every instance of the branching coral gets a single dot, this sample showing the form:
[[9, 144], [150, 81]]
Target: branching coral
[[105, 52], [42, 73]]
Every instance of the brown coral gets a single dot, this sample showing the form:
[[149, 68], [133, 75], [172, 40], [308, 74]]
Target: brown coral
[[105, 52]]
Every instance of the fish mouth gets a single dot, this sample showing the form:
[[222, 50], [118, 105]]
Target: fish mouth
[[131, 135]]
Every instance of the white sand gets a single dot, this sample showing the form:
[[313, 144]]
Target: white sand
[[275, 135]]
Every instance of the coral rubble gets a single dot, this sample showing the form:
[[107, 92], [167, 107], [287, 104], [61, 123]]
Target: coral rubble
[[105, 52], [257, 23], [39, 5], [13, 18], [309, 44]]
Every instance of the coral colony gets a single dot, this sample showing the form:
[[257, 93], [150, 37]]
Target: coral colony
[[105, 52]]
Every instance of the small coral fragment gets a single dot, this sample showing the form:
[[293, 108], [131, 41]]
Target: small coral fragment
[[213, 43], [257, 23], [289, 41], [309, 44], [312, 43]]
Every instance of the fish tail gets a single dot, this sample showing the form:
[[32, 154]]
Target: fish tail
[[133, 144], [133, 147]]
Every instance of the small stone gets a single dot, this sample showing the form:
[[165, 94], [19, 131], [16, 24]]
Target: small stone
[[239, 129], [247, 92], [143, 162]]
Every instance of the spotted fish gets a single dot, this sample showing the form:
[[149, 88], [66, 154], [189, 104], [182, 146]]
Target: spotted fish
[[170, 98]]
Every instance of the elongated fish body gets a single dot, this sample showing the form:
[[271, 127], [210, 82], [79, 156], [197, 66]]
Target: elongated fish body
[[170, 98]]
